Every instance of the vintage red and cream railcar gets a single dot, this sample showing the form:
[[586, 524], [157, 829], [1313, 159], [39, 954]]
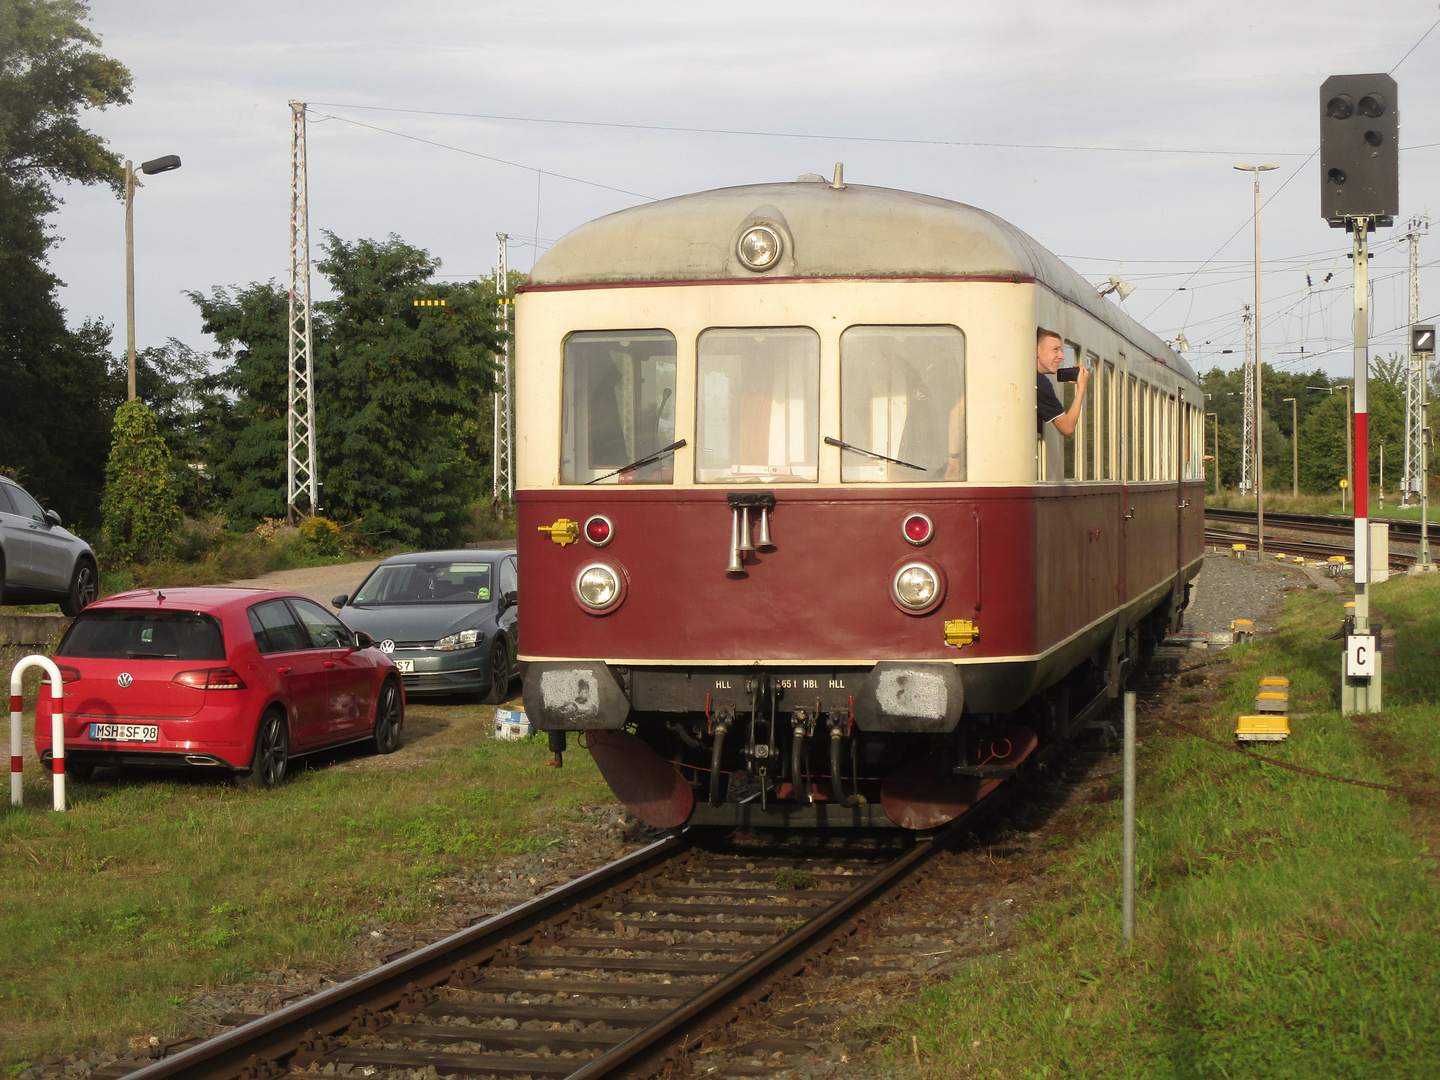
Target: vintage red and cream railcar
[[794, 545]]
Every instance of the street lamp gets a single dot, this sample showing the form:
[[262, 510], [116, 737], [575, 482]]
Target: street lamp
[[1259, 366], [1294, 447], [149, 168], [1349, 450], [1216, 418]]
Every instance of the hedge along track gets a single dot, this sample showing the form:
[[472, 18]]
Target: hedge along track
[[621, 972]]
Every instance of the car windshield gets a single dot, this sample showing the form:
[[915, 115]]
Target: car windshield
[[144, 635], [426, 583]]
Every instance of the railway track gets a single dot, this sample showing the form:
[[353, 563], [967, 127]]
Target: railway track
[[1292, 534], [622, 972]]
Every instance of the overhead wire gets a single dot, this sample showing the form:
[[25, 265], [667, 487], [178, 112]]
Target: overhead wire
[[761, 134], [487, 157]]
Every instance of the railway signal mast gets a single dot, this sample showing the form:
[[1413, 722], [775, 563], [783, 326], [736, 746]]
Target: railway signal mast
[[1247, 435], [1412, 478], [1360, 191], [300, 475]]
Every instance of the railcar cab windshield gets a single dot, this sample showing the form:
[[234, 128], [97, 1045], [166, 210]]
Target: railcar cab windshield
[[758, 405]]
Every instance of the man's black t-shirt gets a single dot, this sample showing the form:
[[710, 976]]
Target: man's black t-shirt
[[1047, 405]]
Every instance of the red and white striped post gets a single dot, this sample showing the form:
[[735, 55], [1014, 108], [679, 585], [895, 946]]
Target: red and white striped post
[[1360, 684], [57, 728]]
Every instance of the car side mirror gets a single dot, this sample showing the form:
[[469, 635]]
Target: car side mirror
[[52, 517], [338, 602], [509, 599], [363, 640]]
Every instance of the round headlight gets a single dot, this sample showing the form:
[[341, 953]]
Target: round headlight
[[759, 248], [917, 587], [599, 587]]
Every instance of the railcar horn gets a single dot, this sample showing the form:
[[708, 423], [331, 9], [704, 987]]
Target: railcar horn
[[741, 504]]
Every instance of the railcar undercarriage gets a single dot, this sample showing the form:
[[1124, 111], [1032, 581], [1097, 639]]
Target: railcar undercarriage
[[813, 749]]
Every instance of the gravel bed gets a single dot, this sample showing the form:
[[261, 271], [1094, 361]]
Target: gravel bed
[[1240, 587]]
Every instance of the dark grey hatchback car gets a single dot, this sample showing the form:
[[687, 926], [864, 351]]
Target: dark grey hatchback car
[[41, 563], [450, 620]]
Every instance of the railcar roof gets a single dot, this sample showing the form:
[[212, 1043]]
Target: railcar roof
[[854, 231]]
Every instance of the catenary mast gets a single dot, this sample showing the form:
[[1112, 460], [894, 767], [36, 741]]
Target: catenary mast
[[1414, 377], [300, 423]]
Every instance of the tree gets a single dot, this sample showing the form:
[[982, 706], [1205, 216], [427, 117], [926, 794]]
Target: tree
[[401, 391], [57, 398], [242, 408], [141, 515], [407, 379]]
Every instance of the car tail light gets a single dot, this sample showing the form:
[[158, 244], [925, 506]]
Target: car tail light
[[220, 678], [599, 530], [917, 529], [69, 674]]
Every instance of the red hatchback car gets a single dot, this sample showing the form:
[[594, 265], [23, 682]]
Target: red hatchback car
[[238, 679]]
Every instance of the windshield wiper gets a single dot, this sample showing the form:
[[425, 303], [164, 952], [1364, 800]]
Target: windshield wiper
[[871, 453], [676, 445], [129, 655]]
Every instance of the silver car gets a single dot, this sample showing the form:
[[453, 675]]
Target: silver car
[[41, 563]]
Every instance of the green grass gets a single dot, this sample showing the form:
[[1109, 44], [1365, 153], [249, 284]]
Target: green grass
[[1282, 502], [150, 889], [1287, 926]]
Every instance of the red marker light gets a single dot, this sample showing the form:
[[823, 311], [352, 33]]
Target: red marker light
[[918, 529], [599, 531]]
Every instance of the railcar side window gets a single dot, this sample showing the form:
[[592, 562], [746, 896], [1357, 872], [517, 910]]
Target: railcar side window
[[1106, 400], [902, 394], [1131, 426], [758, 414], [1092, 418], [618, 405], [1074, 449]]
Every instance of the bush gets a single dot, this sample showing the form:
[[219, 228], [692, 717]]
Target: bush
[[484, 522], [139, 508], [321, 534], [197, 538]]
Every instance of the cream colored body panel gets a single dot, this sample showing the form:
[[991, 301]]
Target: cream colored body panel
[[998, 320]]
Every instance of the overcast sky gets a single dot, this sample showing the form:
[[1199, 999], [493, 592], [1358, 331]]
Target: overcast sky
[[1120, 120]]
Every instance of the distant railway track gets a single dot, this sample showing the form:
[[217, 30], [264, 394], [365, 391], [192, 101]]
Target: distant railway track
[[1297, 534], [614, 974]]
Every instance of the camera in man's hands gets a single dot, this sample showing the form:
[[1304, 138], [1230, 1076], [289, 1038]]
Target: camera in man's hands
[[1068, 374]]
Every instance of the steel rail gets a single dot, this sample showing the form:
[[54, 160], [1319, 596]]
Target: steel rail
[[764, 966], [1399, 527], [277, 1036]]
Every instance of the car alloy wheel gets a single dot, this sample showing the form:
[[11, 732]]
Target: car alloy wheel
[[272, 753], [389, 718], [499, 674], [84, 588]]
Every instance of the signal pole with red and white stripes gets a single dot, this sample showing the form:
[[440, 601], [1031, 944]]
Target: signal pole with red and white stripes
[[1360, 685]]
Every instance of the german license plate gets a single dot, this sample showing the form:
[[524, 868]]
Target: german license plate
[[405, 667], [125, 732]]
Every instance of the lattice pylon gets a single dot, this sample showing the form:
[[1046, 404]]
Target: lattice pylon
[[300, 478], [503, 471], [1410, 476]]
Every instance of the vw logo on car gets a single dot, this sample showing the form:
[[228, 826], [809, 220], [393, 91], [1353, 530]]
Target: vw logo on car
[[387, 646], [125, 679]]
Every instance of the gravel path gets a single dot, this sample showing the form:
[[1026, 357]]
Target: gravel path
[[1239, 587]]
